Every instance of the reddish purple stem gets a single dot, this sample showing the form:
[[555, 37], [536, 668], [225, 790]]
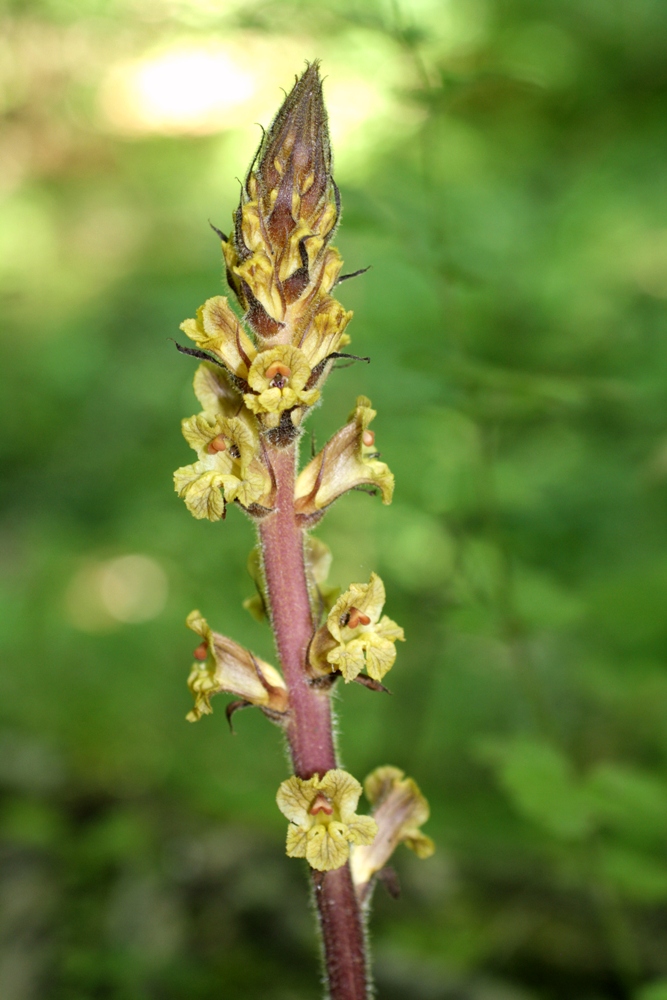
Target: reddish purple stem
[[310, 732]]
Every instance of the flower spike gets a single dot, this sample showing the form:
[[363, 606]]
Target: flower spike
[[261, 375], [323, 822]]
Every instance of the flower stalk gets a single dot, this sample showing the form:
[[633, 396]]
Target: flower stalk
[[309, 728], [257, 382]]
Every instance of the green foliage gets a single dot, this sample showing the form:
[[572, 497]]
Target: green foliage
[[508, 189]]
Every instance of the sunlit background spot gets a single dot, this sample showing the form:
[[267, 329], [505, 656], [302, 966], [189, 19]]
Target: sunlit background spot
[[201, 88], [187, 88], [129, 589]]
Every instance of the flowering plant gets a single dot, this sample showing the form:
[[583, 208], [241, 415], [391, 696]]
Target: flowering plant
[[258, 379]]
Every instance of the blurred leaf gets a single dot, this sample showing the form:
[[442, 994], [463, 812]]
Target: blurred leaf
[[629, 800], [31, 823], [638, 877], [540, 783], [654, 991]]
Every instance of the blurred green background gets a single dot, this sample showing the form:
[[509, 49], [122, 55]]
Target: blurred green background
[[503, 166]]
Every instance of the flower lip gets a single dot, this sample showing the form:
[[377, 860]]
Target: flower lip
[[277, 381], [276, 372], [321, 804]]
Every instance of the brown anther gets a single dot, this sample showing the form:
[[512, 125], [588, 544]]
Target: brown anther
[[368, 438], [357, 618], [201, 652], [321, 804], [217, 444], [278, 369]]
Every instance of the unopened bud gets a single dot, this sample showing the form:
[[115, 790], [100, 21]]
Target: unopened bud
[[295, 157]]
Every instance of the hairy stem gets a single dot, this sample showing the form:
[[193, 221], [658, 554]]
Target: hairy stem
[[310, 731]]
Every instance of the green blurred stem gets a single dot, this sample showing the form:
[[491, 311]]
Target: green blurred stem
[[310, 730]]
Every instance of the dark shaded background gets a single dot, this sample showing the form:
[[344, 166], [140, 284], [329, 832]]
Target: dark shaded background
[[502, 165]]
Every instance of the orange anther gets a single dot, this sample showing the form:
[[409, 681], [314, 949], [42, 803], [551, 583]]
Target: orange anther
[[321, 804], [357, 618], [217, 444], [278, 369], [201, 652], [368, 438]]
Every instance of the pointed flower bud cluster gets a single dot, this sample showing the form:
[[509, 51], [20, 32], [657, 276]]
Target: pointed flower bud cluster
[[278, 257]]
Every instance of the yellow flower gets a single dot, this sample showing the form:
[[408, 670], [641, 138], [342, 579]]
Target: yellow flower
[[223, 665], [399, 810], [215, 392], [355, 637], [348, 460], [217, 329], [228, 452], [278, 378], [323, 822]]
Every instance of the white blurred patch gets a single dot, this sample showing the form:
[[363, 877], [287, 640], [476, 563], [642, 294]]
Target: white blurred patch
[[129, 589], [185, 88]]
